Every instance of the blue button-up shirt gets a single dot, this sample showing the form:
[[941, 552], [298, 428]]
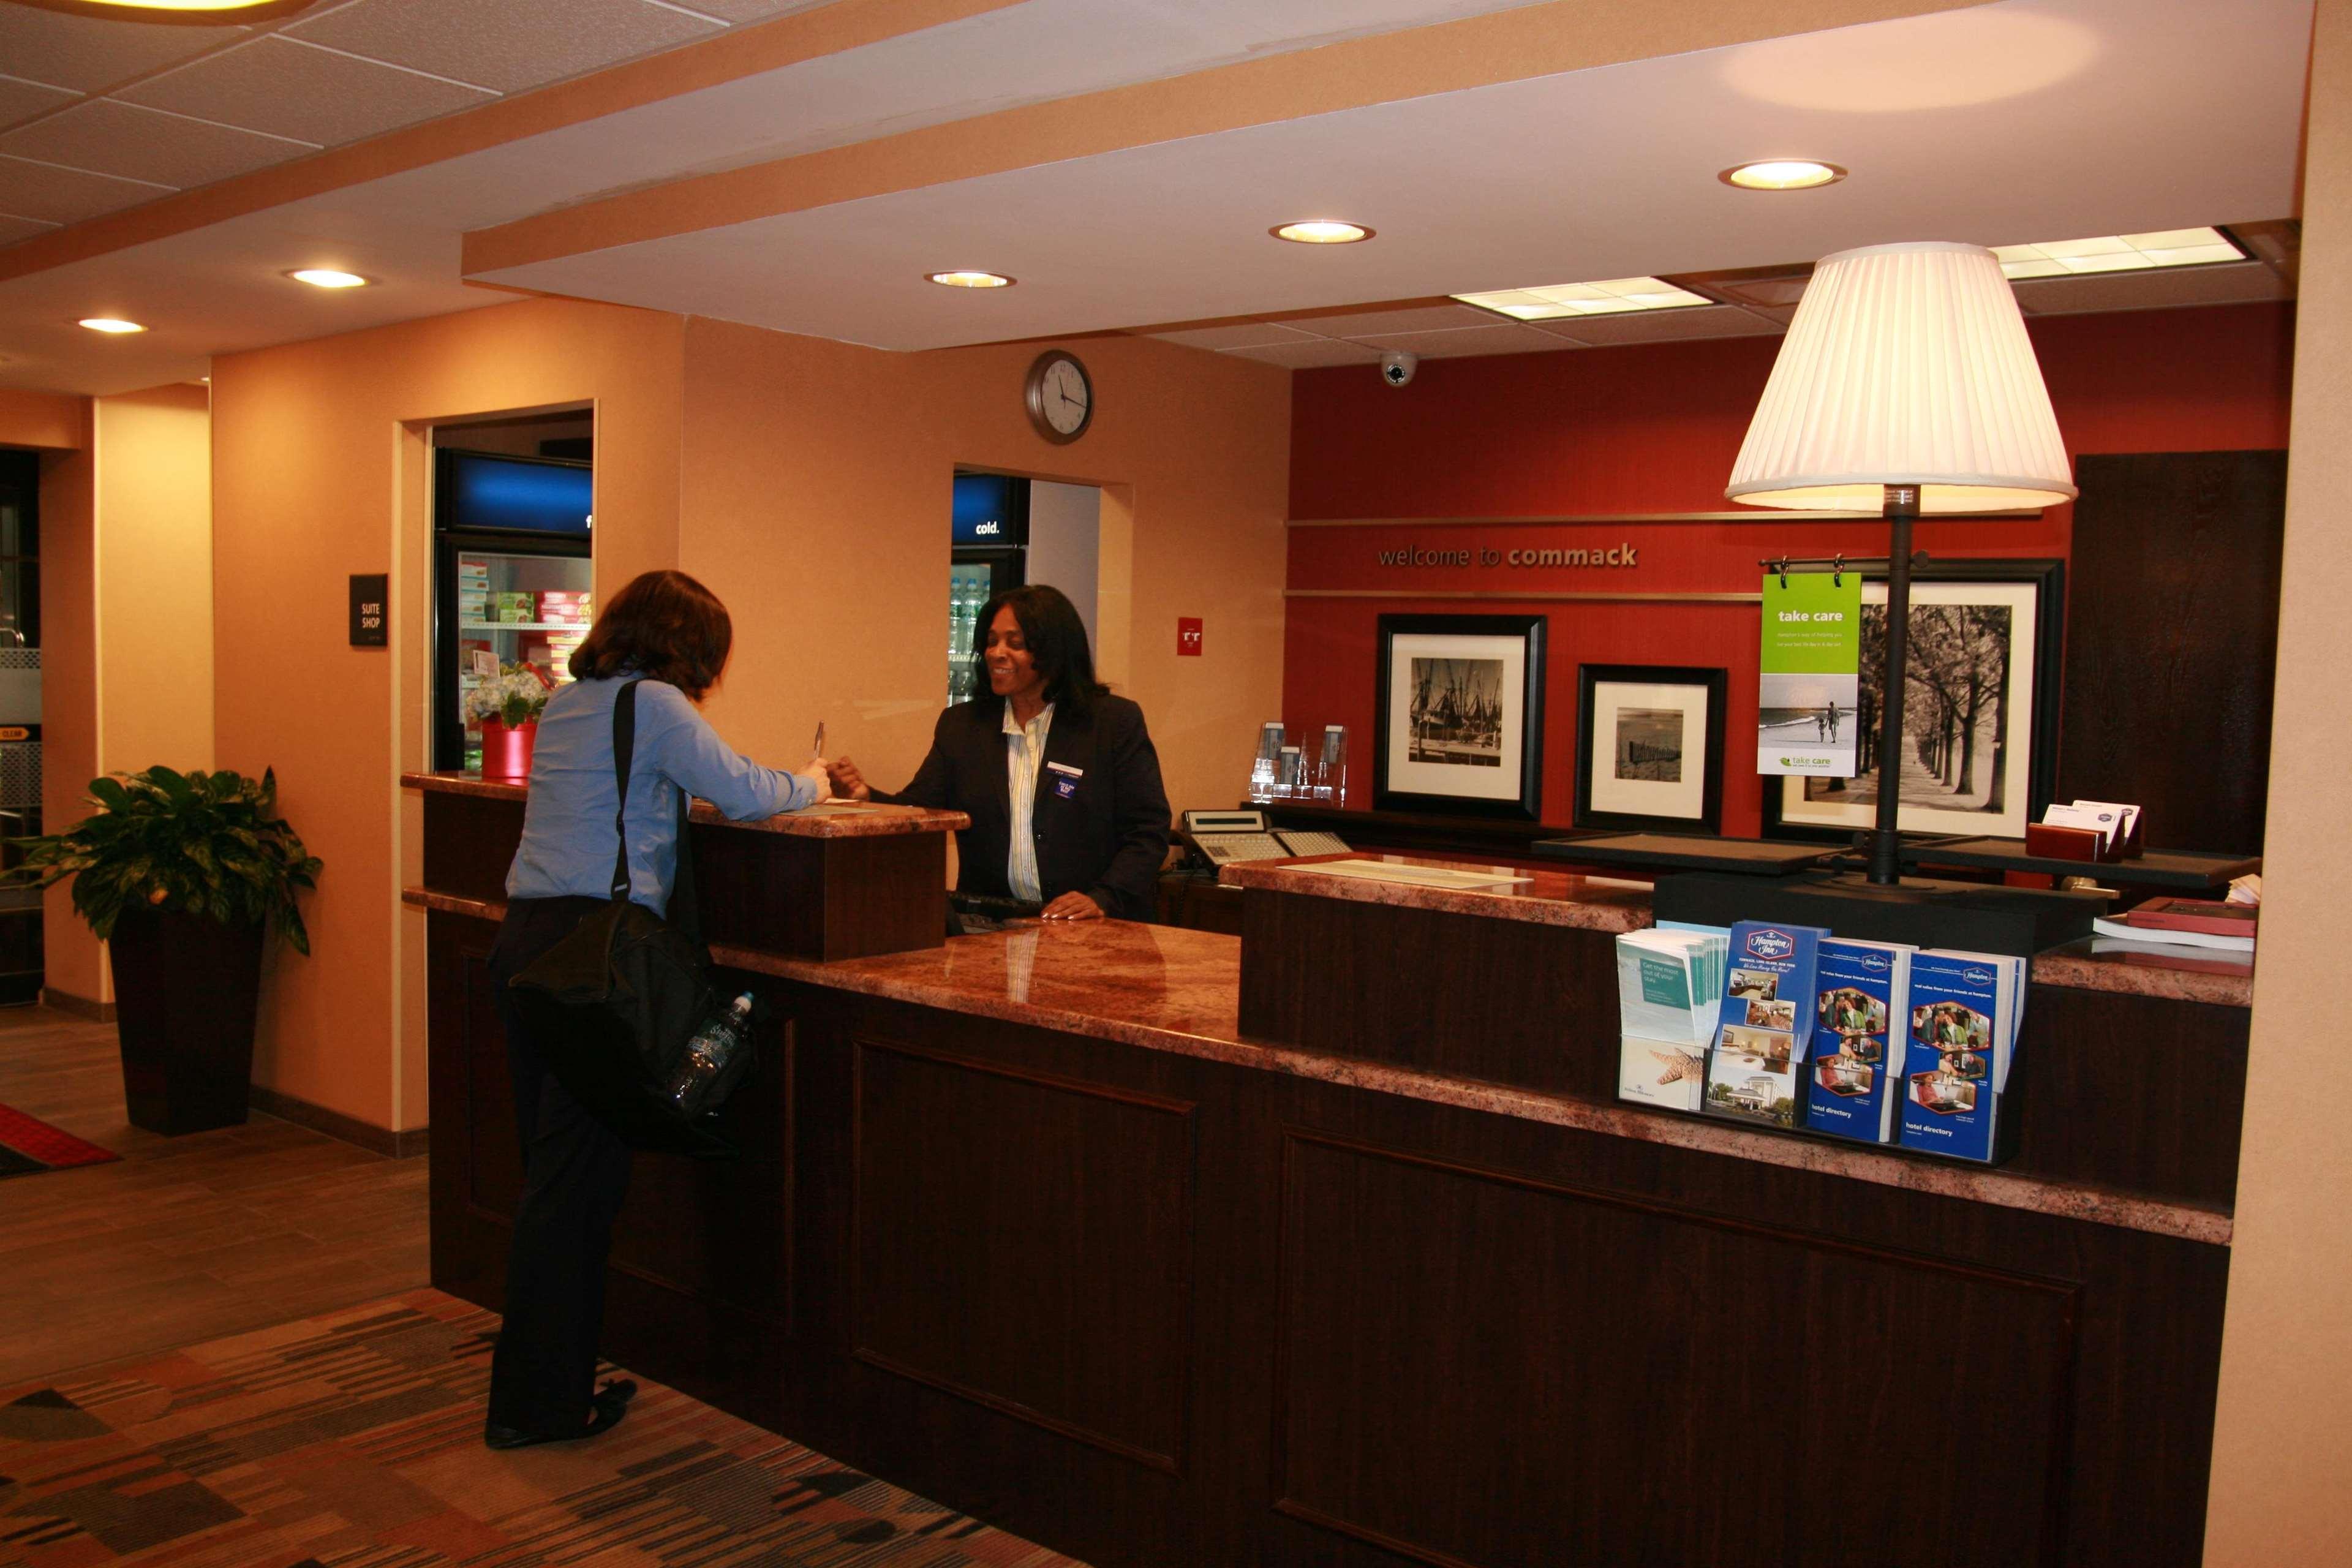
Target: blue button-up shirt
[[568, 843]]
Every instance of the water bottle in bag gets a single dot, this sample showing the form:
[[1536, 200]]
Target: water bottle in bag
[[711, 1056]]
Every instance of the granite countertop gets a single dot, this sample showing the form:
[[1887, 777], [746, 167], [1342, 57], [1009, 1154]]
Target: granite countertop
[[1599, 903], [830, 820], [1166, 989], [1543, 898]]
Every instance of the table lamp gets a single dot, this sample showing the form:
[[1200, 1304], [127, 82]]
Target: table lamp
[[1906, 384]]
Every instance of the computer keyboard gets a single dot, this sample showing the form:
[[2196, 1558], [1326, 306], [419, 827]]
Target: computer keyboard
[[1225, 847], [1315, 843]]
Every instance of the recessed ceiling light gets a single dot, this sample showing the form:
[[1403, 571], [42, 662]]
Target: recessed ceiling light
[[328, 278], [180, 10], [1560, 302], [1782, 174], [2119, 253], [966, 277], [1321, 231], [111, 324]]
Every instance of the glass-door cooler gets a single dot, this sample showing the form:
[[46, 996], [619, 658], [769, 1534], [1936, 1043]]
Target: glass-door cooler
[[511, 579]]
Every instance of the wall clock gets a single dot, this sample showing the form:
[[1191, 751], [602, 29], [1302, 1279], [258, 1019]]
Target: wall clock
[[1060, 397]]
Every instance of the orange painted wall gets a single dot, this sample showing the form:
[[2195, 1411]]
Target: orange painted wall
[[807, 481], [56, 420], [313, 482], [155, 579], [818, 478]]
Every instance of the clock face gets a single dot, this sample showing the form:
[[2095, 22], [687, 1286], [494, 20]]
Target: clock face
[[1061, 399]]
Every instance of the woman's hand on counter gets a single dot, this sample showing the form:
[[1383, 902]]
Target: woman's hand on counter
[[847, 782], [1072, 907]]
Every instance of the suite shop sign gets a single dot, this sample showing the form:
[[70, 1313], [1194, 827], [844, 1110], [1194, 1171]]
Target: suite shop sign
[[1615, 555]]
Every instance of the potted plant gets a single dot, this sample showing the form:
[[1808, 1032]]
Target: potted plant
[[182, 873], [507, 705]]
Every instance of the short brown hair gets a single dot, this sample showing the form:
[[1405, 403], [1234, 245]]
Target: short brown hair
[[664, 626]]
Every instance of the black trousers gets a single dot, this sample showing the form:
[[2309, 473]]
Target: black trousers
[[575, 1174]]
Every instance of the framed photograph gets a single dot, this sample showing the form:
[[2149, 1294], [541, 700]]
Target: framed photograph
[[1649, 747], [1980, 709], [1457, 725]]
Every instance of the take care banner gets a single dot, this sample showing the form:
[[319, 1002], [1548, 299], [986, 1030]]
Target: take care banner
[[1806, 707]]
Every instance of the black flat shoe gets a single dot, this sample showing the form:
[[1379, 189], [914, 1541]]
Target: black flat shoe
[[605, 1409]]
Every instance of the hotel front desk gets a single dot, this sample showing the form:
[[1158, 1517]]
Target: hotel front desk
[[1331, 1245]]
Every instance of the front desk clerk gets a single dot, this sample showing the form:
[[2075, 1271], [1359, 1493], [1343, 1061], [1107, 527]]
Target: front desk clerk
[[1058, 775]]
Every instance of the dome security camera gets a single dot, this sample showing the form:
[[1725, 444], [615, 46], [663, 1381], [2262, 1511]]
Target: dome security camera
[[1396, 367]]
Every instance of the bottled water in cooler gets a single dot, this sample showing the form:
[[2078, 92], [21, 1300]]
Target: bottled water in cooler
[[714, 1048]]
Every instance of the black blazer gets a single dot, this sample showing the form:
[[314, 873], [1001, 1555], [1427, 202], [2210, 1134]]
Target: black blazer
[[1106, 839]]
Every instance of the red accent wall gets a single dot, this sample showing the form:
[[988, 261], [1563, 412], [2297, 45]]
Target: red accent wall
[[1654, 429]]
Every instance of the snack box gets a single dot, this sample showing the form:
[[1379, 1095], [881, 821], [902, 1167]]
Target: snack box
[[511, 606]]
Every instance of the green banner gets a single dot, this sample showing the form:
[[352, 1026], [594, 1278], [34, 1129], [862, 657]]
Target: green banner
[[1806, 720]]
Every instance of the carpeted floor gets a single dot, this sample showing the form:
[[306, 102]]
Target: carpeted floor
[[29, 1145], [353, 1440]]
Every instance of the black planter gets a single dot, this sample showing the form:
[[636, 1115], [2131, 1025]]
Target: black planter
[[186, 993]]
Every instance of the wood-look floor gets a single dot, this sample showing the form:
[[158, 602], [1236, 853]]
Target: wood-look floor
[[184, 1239]]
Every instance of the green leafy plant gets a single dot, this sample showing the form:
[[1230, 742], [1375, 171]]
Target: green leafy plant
[[199, 842]]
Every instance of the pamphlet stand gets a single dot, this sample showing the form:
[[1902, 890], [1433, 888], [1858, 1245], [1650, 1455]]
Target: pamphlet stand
[[1972, 916]]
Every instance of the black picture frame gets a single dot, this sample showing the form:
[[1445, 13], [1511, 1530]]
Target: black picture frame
[[1710, 686], [1411, 768], [1788, 814]]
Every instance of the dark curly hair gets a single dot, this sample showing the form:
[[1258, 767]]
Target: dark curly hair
[[664, 626], [1057, 641]]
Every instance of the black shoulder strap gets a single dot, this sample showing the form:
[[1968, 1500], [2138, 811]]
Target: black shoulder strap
[[624, 747], [684, 912]]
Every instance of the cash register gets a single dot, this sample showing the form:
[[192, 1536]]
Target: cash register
[[1222, 838]]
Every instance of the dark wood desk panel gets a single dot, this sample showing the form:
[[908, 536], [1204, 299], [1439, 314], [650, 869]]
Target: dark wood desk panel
[[1477, 998]]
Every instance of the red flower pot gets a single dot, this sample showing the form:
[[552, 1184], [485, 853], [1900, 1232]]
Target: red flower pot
[[506, 749]]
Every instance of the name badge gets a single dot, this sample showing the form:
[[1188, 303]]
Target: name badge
[[1066, 768]]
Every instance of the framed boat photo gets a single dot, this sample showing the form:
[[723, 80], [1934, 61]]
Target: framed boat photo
[[1458, 726]]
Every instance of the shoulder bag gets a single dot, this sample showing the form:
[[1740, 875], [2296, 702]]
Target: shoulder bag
[[615, 1002]]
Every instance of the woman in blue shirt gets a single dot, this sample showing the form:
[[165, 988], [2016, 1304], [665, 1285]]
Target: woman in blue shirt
[[671, 630]]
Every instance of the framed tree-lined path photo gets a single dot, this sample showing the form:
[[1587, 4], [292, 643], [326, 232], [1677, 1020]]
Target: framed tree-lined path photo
[[1458, 716], [1979, 753]]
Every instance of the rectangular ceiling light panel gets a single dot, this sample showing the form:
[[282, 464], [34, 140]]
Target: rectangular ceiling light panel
[[1563, 302], [2119, 253]]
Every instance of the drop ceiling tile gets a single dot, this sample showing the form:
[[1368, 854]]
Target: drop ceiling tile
[[516, 45], [286, 89], [121, 138], [65, 195], [2231, 284], [1248, 335], [1463, 343], [23, 100], [1308, 354], [12, 229], [1662, 326], [1372, 323], [90, 54]]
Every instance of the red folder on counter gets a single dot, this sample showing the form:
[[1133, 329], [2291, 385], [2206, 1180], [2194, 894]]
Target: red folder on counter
[[2214, 919], [2053, 843]]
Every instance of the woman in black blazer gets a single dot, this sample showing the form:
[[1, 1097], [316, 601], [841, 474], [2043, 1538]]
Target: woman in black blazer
[[1049, 754]]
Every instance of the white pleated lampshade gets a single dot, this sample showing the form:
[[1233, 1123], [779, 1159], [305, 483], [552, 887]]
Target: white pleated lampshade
[[1905, 365]]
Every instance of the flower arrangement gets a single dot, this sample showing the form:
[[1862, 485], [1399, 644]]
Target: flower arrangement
[[514, 696]]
